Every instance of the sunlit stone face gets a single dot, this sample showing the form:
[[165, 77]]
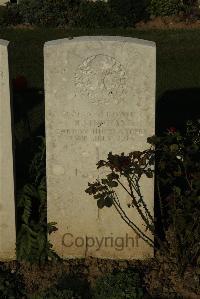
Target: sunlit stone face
[[7, 206], [99, 98]]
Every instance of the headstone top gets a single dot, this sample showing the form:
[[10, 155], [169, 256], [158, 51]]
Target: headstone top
[[4, 42], [102, 38]]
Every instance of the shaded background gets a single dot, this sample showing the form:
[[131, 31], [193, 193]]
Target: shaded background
[[178, 62]]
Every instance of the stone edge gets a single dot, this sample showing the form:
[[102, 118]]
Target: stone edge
[[4, 42], [138, 41]]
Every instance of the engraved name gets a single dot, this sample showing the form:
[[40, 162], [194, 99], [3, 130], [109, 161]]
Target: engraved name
[[108, 126]]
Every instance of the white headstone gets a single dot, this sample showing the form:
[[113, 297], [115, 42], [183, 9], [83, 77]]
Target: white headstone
[[99, 97], [7, 205], [3, 2]]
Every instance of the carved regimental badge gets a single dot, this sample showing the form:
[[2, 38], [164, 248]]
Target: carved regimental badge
[[102, 79]]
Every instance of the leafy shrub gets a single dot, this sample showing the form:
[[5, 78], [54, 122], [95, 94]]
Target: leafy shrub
[[3, 15], [119, 285], [32, 243], [178, 178], [93, 14], [126, 171], [30, 11], [10, 284], [78, 285], [9, 15], [59, 12], [13, 14], [189, 8], [82, 13], [178, 182], [127, 12], [48, 12], [53, 293], [165, 7], [85, 13], [66, 287]]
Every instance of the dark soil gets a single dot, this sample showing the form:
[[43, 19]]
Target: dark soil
[[174, 22], [41, 277]]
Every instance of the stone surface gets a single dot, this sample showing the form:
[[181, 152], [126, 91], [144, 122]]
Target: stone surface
[[7, 205], [3, 2], [99, 97]]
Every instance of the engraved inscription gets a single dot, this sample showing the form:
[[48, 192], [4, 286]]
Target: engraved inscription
[[119, 135], [101, 78], [108, 126]]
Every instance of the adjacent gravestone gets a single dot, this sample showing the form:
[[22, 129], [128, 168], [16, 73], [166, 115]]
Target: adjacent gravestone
[[7, 206], [99, 97], [3, 2]]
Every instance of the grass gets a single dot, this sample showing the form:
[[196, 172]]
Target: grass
[[178, 63]]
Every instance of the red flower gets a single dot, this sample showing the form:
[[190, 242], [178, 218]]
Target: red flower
[[19, 83], [171, 130]]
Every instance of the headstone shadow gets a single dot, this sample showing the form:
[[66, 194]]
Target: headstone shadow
[[175, 107]]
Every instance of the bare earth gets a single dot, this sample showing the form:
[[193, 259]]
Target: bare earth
[[169, 23]]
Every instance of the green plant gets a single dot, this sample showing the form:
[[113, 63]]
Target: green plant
[[30, 11], [189, 7], [67, 286], [82, 13], [119, 285], [48, 12], [32, 243], [53, 293], [93, 14], [11, 286], [126, 172], [59, 12], [178, 183], [165, 7], [3, 15], [127, 12], [13, 16], [9, 14]]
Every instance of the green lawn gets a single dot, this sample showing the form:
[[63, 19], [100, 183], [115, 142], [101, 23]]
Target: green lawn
[[178, 53]]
